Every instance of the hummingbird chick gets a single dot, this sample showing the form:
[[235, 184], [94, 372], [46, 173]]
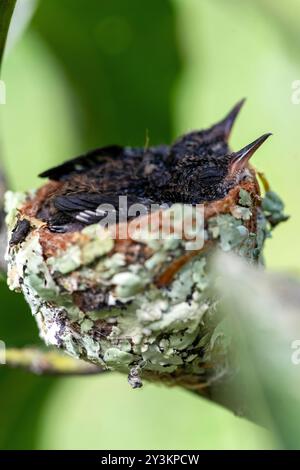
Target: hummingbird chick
[[199, 167]]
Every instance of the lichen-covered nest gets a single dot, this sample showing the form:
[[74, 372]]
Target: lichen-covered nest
[[139, 305]]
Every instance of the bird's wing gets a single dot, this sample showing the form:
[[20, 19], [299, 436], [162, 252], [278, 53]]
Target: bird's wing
[[90, 208], [82, 163]]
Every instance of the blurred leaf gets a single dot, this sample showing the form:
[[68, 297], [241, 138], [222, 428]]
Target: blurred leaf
[[6, 11], [16, 322], [38, 110], [23, 13], [22, 397], [21, 394], [121, 60], [105, 413], [264, 313], [285, 17]]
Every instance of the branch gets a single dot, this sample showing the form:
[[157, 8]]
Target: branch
[[48, 362]]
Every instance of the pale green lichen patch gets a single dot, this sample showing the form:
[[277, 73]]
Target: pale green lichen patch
[[240, 212], [93, 245], [97, 305], [128, 284], [245, 198], [67, 261], [229, 230], [273, 208], [117, 358]]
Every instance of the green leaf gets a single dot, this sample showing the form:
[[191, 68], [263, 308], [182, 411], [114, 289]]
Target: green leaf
[[263, 313], [121, 60], [6, 11]]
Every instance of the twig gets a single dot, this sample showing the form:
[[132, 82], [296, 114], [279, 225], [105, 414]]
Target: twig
[[48, 362]]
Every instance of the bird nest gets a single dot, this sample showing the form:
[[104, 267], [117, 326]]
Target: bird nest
[[140, 304]]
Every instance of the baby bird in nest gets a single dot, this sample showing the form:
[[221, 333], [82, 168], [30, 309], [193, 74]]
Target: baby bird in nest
[[199, 167]]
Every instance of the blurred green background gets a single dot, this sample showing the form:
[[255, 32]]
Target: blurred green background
[[83, 74]]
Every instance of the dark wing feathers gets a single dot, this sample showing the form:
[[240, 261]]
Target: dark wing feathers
[[82, 163], [78, 202], [81, 207], [85, 209]]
